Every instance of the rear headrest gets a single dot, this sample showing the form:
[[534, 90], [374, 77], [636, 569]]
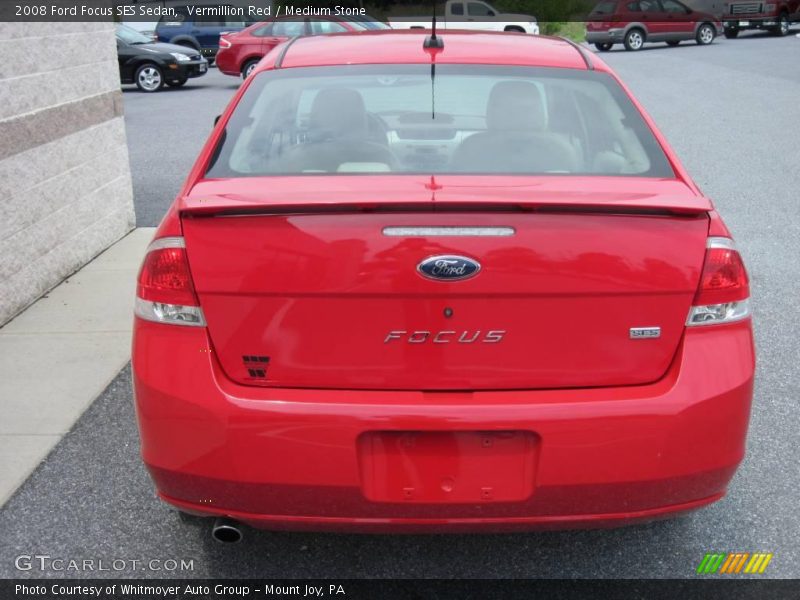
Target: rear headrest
[[337, 113], [515, 105]]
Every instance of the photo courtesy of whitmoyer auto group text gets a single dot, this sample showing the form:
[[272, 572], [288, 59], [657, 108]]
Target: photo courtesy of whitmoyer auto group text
[[400, 299]]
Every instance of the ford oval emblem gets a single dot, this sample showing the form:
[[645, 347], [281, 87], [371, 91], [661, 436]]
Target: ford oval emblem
[[448, 267]]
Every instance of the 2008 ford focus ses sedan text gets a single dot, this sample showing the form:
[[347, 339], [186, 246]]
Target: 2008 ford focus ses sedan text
[[409, 287]]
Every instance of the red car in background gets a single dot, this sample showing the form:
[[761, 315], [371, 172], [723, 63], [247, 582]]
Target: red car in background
[[776, 17], [239, 52], [634, 23], [485, 295]]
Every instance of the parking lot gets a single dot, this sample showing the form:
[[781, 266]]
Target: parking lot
[[730, 112]]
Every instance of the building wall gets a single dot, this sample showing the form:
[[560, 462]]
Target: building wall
[[65, 184]]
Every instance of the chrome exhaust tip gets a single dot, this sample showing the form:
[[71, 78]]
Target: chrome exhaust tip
[[226, 531]]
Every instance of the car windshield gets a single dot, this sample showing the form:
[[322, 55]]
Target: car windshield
[[468, 119], [131, 36]]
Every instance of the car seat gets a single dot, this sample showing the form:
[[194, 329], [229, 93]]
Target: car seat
[[516, 139]]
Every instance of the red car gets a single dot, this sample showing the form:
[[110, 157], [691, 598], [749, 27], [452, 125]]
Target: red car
[[239, 52], [776, 17], [482, 296], [636, 22]]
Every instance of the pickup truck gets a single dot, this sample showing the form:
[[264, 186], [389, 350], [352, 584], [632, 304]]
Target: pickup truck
[[776, 16], [471, 14]]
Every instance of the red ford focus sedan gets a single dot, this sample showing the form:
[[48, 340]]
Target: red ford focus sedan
[[420, 288], [240, 51]]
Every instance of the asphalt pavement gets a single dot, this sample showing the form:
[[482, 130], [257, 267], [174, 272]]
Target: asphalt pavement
[[730, 111]]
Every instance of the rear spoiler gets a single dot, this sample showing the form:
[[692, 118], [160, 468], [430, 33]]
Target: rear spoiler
[[210, 210], [381, 193]]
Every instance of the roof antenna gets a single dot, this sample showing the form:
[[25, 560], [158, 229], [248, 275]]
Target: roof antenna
[[432, 41]]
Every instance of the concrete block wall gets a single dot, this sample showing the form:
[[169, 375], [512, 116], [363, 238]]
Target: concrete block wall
[[65, 184]]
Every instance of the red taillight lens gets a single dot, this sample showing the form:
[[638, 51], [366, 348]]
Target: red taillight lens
[[223, 43], [165, 277], [723, 295], [724, 278], [165, 292]]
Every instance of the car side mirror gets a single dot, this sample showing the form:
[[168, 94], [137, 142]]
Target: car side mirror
[[492, 13]]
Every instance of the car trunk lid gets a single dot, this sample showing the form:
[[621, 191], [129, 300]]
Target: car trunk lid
[[321, 289]]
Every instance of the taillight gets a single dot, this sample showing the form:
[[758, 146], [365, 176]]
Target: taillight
[[223, 43], [723, 295], [165, 292]]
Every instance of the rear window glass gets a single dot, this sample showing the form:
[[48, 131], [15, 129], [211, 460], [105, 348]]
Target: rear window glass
[[288, 28], [467, 119], [607, 8]]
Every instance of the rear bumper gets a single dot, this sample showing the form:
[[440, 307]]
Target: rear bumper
[[752, 23], [226, 63], [612, 36], [290, 458]]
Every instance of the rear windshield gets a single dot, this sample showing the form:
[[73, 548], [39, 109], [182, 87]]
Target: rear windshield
[[465, 119]]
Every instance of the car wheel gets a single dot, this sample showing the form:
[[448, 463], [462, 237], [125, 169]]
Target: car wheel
[[604, 46], [783, 25], [673, 43], [634, 39], [177, 82], [705, 34], [248, 68], [149, 78], [190, 45], [731, 34]]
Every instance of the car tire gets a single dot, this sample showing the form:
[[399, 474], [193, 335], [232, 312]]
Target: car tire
[[783, 26], [705, 34], [673, 43], [149, 78], [248, 67], [187, 44], [634, 39], [514, 29], [604, 46], [731, 34]]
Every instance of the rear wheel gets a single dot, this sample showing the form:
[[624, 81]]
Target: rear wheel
[[731, 34], [188, 44], [673, 43], [514, 29], [783, 25], [149, 78], [634, 40], [604, 46], [705, 34], [248, 68]]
